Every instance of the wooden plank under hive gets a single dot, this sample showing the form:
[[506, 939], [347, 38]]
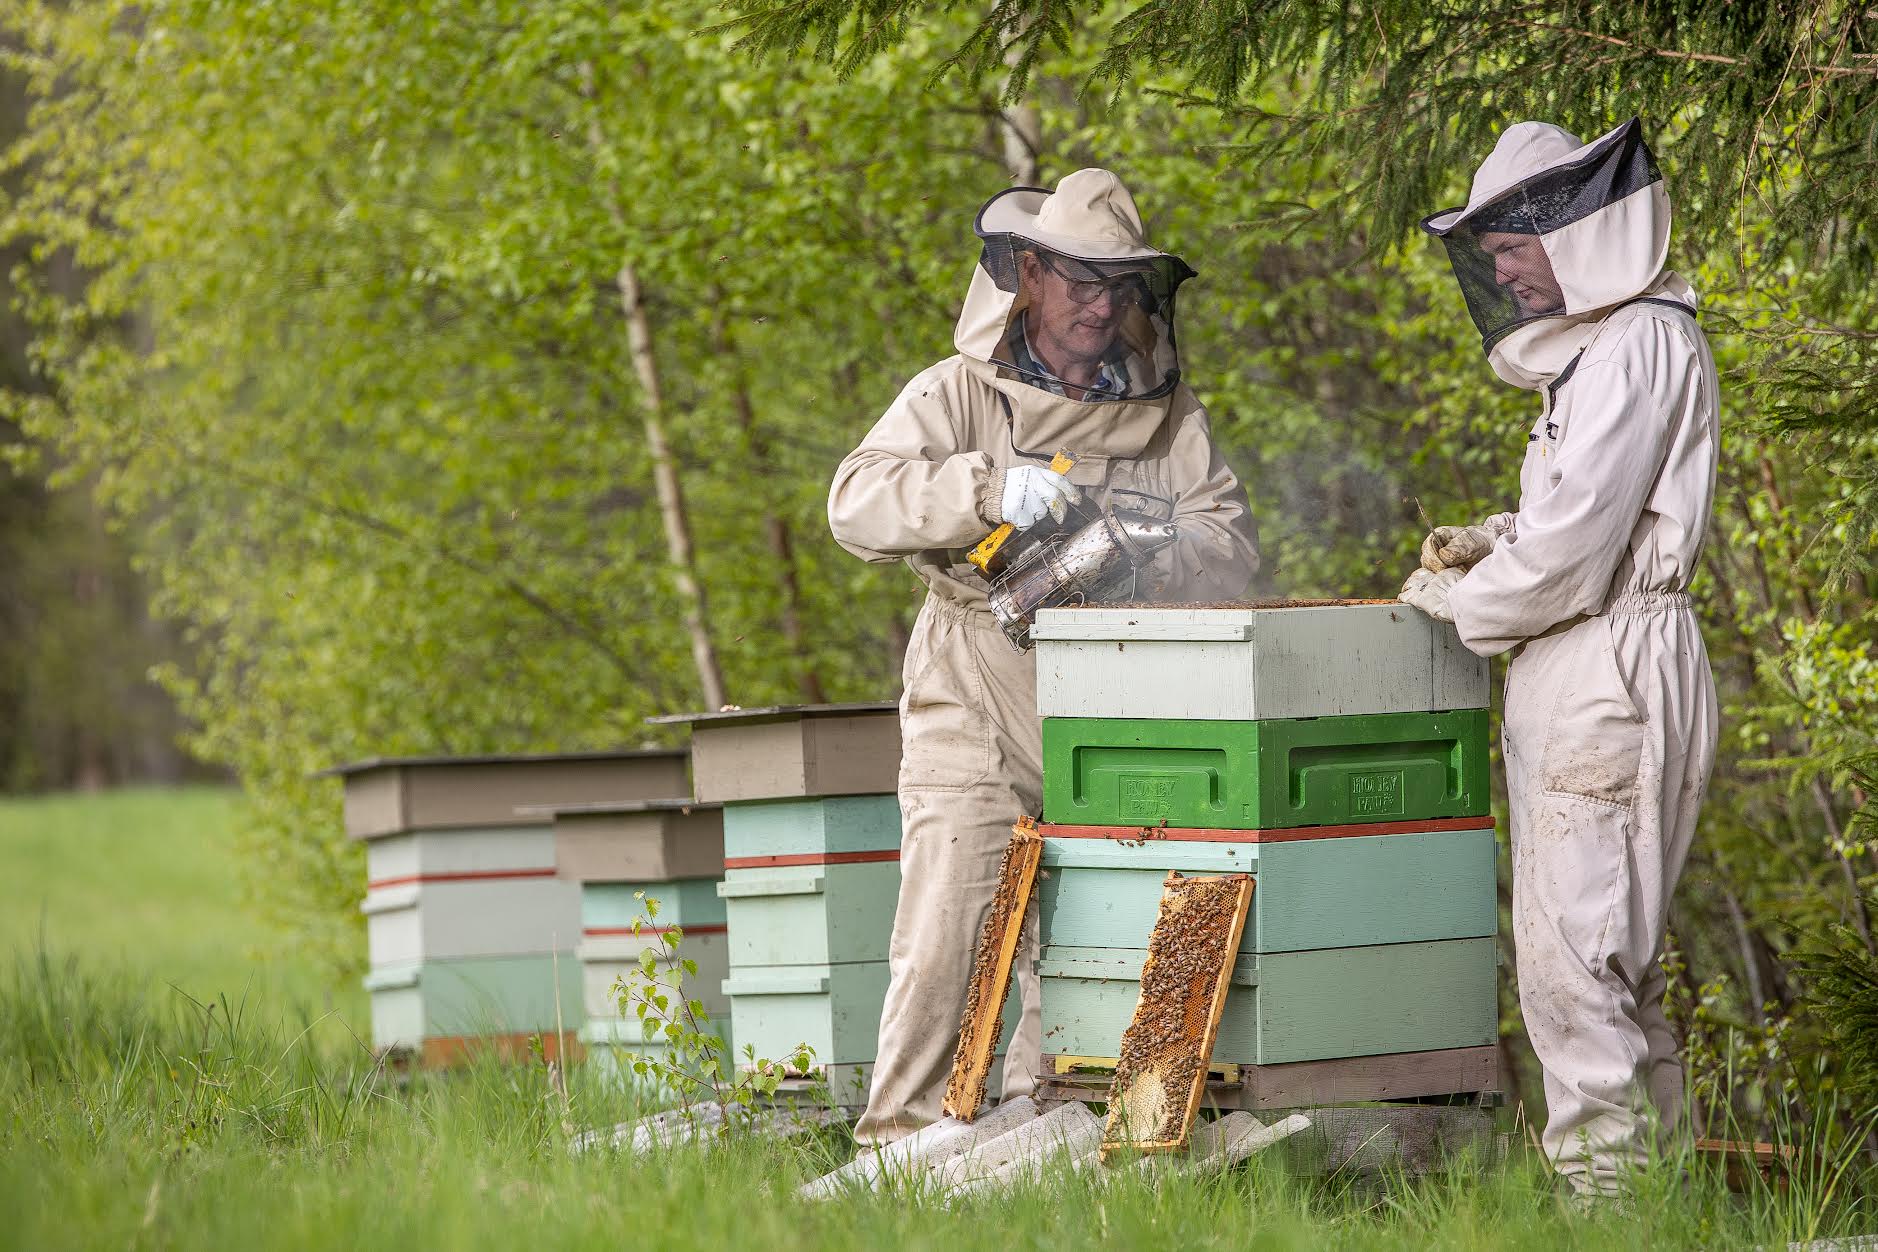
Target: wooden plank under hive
[[983, 1023], [1161, 1073]]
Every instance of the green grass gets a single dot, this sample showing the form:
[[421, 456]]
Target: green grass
[[148, 881], [131, 1116]]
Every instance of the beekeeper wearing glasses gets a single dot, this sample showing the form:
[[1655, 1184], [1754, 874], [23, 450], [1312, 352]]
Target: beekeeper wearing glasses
[[1610, 721], [1065, 342]]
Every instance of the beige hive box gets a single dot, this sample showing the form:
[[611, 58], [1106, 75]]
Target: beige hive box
[[785, 752], [390, 795], [640, 841]]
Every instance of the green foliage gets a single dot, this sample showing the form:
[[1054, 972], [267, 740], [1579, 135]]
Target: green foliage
[[694, 1063], [1844, 975]]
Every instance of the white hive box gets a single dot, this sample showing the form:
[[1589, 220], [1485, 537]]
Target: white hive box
[[1252, 662], [788, 751]]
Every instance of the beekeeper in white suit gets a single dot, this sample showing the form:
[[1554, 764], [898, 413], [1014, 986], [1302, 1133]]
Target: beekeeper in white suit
[[1066, 341], [1610, 721]]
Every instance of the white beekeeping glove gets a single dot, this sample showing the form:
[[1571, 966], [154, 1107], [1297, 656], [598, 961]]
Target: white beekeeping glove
[[1462, 547], [1428, 590], [1031, 491]]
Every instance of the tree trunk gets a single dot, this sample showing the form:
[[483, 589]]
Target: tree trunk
[[775, 526], [1023, 136], [671, 492]]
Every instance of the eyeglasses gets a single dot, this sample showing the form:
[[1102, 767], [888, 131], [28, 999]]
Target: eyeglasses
[[1125, 290]]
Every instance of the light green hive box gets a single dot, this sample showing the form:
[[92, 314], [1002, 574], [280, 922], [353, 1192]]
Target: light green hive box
[[834, 1009], [816, 826], [1309, 893], [612, 907], [810, 914], [1292, 1006], [470, 996], [1265, 775]]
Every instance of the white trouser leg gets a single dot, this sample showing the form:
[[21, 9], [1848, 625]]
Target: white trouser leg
[[1609, 737], [972, 765]]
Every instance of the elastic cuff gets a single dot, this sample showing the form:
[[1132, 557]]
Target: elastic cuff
[[991, 498], [1499, 525]]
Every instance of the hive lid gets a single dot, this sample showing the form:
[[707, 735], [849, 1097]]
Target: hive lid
[[494, 758], [774, 711], [1226, 622], [614, 806]]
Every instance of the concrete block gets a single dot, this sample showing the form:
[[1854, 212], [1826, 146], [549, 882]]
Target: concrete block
[[910, 1158], [1068, 1128]]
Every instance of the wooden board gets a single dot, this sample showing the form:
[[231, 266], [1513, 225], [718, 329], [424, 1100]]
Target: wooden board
[[1302, 1084], [1161, 1074], [1249, 663], [982, 1024]]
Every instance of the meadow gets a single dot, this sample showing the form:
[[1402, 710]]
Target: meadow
[[172, 1077]]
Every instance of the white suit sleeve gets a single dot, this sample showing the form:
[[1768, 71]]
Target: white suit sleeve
[[1566, 546], [1217, 552], [909, 487]]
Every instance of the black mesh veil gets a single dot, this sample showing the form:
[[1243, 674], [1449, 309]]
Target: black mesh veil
[[1115, 316], [1499, 249]]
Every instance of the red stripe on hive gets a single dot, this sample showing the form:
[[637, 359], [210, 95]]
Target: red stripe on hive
[[655, 930], [1174, 834], [810, 858], [468, 875]]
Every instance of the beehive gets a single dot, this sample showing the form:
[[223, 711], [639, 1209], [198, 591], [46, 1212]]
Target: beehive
[[811, 875], [622, 856], [467, 921], [1338, 753]]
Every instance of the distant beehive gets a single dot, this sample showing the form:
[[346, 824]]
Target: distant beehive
[[471, 932], [811, 875], [622, 855], [1338, 752]]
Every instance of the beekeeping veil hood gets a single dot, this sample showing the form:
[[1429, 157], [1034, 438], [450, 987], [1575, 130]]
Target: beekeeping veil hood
[[1088, 235], [1554, 235]]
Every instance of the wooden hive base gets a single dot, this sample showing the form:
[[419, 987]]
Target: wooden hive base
[[1462, 1072]]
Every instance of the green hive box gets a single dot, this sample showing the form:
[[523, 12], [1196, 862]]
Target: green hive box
[[1313, 771], [1292, 1006], [612, 907], [1408, 887]]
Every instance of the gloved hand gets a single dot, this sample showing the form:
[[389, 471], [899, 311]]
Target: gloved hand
[[1428, 590], [1030, 491], [1460, 547]]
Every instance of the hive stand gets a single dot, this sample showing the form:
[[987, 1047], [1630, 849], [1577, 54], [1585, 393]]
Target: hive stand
[[471, 934], [1338, 753]]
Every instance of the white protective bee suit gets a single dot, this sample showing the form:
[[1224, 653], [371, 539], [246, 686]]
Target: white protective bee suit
[[1610, 720], [924, 486]]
